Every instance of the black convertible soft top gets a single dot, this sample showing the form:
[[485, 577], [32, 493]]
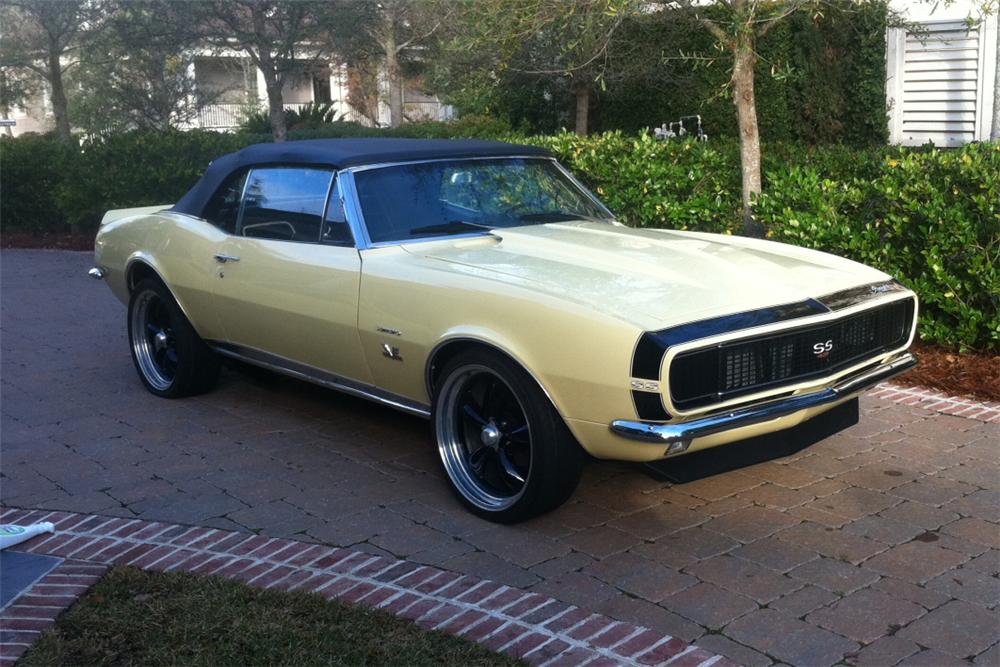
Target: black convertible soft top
[[340, 153]]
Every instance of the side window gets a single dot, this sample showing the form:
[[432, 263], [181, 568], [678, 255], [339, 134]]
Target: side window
[[336, 231], [223, 208], [285, 203]]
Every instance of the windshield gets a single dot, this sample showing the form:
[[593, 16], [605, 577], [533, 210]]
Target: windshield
[[411, 201]]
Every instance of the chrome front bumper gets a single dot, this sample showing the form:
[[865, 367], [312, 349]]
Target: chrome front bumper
[[678, 437]]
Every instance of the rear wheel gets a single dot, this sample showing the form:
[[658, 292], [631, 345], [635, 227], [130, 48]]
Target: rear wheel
[[506, 451], [172, 361]]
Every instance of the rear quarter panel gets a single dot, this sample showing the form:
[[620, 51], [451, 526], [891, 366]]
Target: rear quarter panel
[[177, 247]]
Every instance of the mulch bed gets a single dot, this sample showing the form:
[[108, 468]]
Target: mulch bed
[[967, 374]]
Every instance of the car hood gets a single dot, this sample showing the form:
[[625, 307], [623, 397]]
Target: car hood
[[651, 278]]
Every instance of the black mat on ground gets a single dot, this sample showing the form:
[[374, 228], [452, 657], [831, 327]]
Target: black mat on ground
[[19, 570], [717, 460]]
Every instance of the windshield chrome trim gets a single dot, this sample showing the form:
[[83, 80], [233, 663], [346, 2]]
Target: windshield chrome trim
[[612, 219], [400, 163], [428, 239], [356, 218]]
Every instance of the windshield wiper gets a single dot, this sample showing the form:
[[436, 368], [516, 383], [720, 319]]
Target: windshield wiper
[[450, 226]]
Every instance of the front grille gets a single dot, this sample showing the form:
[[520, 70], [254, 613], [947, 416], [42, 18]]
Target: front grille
[[716, 374]]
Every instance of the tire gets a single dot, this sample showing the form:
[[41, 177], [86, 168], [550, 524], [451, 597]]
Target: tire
[[172, 361], [500, 469]]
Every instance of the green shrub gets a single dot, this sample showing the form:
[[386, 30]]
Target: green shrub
[[651, 183], [33, 170], [479, 127], [820, 78], [929, 217], [311, 116], [138, 169]]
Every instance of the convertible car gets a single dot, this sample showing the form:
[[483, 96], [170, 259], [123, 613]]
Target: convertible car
[[480, 285]]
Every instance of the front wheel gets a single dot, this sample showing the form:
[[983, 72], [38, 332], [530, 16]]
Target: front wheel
[[171, 359], [505, 449]]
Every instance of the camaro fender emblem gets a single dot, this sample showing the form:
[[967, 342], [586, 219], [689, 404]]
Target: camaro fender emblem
[[645, 385], [391, 352], [822, 350]]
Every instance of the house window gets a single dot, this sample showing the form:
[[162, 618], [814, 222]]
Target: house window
[[321, 89]]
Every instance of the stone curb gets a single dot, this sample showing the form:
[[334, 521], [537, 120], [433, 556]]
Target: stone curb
[[937, 401], [536, 628]]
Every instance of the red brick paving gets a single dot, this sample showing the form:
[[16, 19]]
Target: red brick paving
[[906, 503], [38, 606], [482, 611]]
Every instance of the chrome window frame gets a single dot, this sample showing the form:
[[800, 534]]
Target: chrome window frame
[[326, 209], [322, 216], [356, 218]]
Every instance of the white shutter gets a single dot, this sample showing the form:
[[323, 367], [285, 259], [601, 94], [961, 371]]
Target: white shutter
[[935, 84]]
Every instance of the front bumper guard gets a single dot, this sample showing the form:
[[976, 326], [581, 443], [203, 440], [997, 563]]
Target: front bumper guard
[[678, 437]]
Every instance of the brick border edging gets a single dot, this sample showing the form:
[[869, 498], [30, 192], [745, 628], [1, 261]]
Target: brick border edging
[[37, 607], [536, 628], [938, 401]]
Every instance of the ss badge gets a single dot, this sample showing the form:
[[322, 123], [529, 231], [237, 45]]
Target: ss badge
[[822, 350]]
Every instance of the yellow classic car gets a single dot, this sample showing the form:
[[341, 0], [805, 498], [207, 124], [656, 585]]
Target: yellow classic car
[[479, 284]]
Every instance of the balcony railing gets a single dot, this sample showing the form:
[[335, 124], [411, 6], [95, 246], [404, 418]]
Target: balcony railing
[[229, 116], [221, 116]]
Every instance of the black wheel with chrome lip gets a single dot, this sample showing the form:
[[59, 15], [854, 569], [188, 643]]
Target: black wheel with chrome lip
[[503, 446], [171, 359]]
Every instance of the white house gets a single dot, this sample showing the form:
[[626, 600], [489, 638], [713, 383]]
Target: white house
[[941, 81], [941, 74], [233, 86]]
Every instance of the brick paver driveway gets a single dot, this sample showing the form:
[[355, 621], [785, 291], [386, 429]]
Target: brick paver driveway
[[877, 545]]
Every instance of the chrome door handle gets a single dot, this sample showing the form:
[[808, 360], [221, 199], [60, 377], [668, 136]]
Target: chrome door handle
[[222, 259]]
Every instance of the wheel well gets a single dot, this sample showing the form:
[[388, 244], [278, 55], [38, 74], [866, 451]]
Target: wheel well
[[446, 352], [138, 272]]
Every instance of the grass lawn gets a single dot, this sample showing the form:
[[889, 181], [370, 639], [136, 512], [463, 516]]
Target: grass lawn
[[133, 617]]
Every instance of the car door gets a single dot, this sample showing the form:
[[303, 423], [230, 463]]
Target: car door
[[287, 279]]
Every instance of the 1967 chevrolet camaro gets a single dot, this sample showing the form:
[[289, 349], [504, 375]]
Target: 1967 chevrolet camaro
[[479, 284]]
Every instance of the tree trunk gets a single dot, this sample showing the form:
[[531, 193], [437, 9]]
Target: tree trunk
[[275, 100], [276, 112], [395, 77], [58, 97], [582, 110], [746, 113]]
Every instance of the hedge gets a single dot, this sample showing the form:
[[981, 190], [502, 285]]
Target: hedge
[[930, 217], [820, 78]]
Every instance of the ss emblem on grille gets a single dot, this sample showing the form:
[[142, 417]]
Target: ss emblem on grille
[[822, 350]]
